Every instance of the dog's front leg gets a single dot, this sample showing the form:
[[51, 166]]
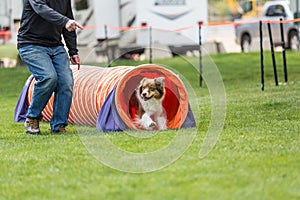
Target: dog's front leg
[[161, 122], [147, 122]]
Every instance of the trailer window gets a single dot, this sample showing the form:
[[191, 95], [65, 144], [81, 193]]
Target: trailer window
[[81, 4]]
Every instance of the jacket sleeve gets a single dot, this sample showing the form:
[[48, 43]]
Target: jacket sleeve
[[70, 37], [47, 13]]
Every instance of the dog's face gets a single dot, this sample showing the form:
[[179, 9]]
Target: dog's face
[[152, 88]]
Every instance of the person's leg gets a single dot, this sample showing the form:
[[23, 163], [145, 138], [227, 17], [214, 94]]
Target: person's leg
[[40, 65], [64, 89]]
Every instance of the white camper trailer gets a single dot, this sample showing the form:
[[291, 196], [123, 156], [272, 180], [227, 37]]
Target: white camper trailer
[[10, 15], [174, 23]]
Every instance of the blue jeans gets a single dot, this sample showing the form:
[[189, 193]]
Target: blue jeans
[[50, 67]]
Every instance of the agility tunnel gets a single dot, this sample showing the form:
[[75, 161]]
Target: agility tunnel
[[103, 97]]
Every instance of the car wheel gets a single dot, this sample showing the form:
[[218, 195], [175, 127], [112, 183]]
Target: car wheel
[[245, 43], [293, 40]]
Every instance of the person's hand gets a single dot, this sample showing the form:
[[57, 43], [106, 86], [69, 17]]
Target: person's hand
[[75, 60], [72, 25]]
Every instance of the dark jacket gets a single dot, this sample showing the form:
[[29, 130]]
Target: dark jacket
[[43, 23]]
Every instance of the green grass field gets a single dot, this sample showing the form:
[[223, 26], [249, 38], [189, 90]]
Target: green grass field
[[257, 155]]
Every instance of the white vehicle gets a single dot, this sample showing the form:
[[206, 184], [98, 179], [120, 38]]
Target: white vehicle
[[162, 15], [272, 11]]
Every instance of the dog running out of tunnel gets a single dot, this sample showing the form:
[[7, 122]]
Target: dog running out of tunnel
[[175, 102]]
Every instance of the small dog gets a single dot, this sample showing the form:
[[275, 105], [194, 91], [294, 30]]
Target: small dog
[[150, 113]]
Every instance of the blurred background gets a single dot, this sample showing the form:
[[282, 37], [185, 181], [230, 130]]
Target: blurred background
[[127, 28]]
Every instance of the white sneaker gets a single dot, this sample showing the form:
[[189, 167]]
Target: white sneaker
[[32, 126]]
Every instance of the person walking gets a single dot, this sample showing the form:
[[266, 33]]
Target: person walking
[[40, 46]]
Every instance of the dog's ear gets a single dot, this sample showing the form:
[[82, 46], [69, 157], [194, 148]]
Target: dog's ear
[[159, 82], [140, 86]]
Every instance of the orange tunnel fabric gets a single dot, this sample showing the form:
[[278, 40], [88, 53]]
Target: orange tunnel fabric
[[92, 85]]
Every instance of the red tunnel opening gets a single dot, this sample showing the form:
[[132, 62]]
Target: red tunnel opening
[[175, 101]]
